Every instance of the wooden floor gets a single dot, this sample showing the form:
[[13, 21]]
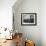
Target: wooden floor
[[9, 43]]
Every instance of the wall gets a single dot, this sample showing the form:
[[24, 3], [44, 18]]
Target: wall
[[29, 32], [6, 13], [43, 22]]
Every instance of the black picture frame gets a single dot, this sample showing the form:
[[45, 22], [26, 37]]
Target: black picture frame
[[29, 19]]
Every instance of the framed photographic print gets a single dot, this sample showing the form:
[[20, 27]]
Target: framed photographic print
[[28, 18]]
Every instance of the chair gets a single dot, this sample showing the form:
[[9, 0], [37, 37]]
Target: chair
[[29, 43], [18, 39]]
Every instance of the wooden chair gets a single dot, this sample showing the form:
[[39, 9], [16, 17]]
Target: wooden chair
[[18, 39], [29, 43]]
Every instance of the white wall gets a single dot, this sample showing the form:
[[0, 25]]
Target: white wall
[[43, 22], [30, 32], [6, 13]]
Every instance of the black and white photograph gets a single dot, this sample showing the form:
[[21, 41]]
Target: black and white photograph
[[28, 19]]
